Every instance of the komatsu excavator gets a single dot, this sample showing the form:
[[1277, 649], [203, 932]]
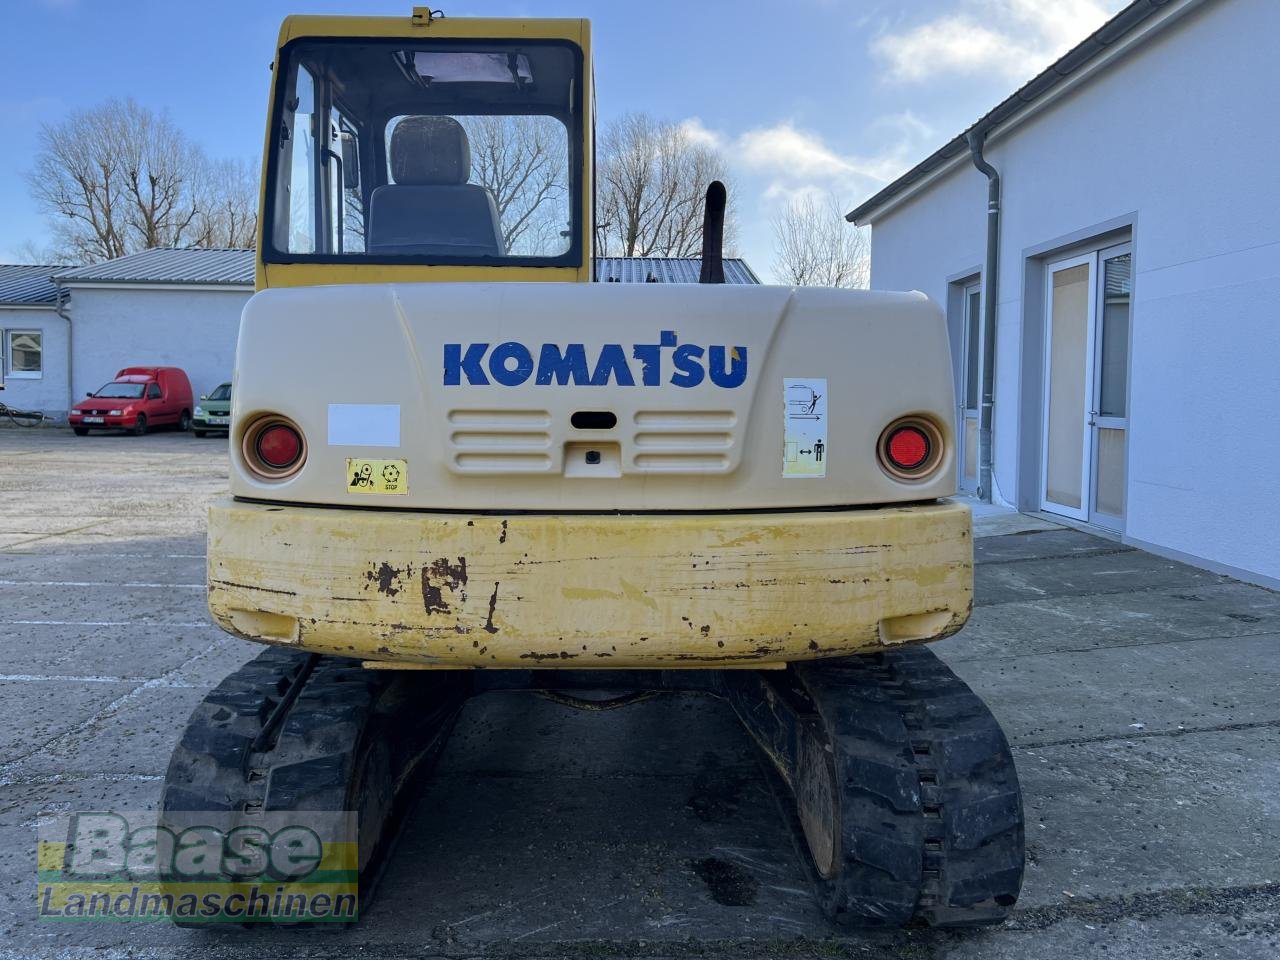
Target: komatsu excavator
[[458, 465]]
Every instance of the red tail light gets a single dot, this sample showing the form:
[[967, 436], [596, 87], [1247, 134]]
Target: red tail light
[[279, 446], [911, 448], [273, 448], [908, 447]]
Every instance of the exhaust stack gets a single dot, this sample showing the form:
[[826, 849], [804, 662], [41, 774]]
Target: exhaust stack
[[713, 234]]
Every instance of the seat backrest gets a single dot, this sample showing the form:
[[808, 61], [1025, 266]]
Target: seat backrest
[[431, 208]]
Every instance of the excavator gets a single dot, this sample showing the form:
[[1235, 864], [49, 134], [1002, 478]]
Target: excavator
[[458, 464]]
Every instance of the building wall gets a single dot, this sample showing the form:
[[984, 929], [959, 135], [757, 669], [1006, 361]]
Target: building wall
[[49, 391], [116, 327], [1177, 138]]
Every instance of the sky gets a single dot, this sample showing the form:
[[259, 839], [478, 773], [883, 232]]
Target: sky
[[830, 97]]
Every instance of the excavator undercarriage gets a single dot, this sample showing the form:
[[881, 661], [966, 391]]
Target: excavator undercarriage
[[905, 791]]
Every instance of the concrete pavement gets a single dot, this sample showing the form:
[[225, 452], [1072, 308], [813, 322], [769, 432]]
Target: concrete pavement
[[1139, 694]]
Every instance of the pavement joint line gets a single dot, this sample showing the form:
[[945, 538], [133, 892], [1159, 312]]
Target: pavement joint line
[[100, 583], [1147, 905], [1057, 556], [1145, 735], [37, 678], [62, 533], [101, 623], [1115, 646], [53, 779], [87, 724], [104, 556], [1218, 581]]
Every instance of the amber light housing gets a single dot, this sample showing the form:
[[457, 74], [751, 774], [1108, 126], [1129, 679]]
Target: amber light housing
[[273, 448], [911, 448]]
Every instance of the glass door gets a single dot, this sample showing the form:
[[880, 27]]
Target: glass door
[[1108, 417], [1068, 386], [970, 386]]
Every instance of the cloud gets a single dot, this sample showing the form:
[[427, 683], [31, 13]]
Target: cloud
[[798, 161], [700, 135], [1013, 39]]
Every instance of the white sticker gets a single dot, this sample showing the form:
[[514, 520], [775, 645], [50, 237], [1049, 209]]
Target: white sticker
[[805, 434], [364, 424]]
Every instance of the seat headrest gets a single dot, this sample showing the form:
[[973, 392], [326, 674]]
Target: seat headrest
[[430, 151]]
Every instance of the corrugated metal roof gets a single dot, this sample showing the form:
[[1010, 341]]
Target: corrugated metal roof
[[666, 270], [235, 268], [28, 285], [165, 265]]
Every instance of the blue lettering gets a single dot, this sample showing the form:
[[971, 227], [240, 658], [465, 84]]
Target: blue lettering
[[567, 367], [511, 364], [612, 361], [650, 357], [456, 363], [500, 370], [737, 372], [686, 361]]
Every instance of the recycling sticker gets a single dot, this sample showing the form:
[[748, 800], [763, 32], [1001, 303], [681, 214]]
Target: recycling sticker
[[377, 476], [805, 433]]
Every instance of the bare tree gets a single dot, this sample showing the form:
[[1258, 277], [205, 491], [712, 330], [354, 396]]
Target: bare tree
[[651, 180], [814, 245], [523, 162], [118, 178], [226, 193]]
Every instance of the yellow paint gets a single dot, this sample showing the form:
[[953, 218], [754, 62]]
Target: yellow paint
[[576, 591], [377, 476], [417, 28]]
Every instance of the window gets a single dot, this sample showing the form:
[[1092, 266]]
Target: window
[[427, 152], [153, 391], [26, 354]]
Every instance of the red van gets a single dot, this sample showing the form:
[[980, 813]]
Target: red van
[[138, 399]]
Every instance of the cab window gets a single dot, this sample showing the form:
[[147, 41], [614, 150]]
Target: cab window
[[432, 152], [153, 391]]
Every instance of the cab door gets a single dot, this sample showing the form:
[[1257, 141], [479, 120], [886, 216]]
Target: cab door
[[155, 404]]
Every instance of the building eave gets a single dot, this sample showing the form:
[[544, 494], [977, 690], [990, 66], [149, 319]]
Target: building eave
[[1129, 28]]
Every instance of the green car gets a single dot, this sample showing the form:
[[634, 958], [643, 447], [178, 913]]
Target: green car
[[213, 412]]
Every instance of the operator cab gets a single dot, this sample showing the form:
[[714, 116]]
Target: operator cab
[[450, 151]]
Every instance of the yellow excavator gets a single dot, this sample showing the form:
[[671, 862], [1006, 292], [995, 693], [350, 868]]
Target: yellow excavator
[[459, 465]]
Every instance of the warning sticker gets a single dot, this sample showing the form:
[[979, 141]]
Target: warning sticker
[[377, 476], [805, 434]]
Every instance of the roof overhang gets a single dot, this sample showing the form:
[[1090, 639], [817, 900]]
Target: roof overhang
[[1129, 28], [103, 284]]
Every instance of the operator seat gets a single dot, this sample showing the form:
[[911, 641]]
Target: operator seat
[[430, 208]]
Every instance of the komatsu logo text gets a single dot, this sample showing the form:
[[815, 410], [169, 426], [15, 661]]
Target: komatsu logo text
[[513, 363]]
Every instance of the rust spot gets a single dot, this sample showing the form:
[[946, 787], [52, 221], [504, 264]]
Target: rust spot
[[706, 629], [493, 604], [386, 577], [438, 576], [503, 537]]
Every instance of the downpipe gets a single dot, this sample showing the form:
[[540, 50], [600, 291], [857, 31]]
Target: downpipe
[[990, 294]]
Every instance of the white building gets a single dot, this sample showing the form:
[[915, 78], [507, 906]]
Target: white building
[[1136, 333], [33, 339], [67, 330]]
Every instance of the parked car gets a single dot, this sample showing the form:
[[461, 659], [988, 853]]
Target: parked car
[[213, 412], [138, 399]]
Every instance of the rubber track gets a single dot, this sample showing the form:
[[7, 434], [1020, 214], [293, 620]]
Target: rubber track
[[932, 824], [288, 730]]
